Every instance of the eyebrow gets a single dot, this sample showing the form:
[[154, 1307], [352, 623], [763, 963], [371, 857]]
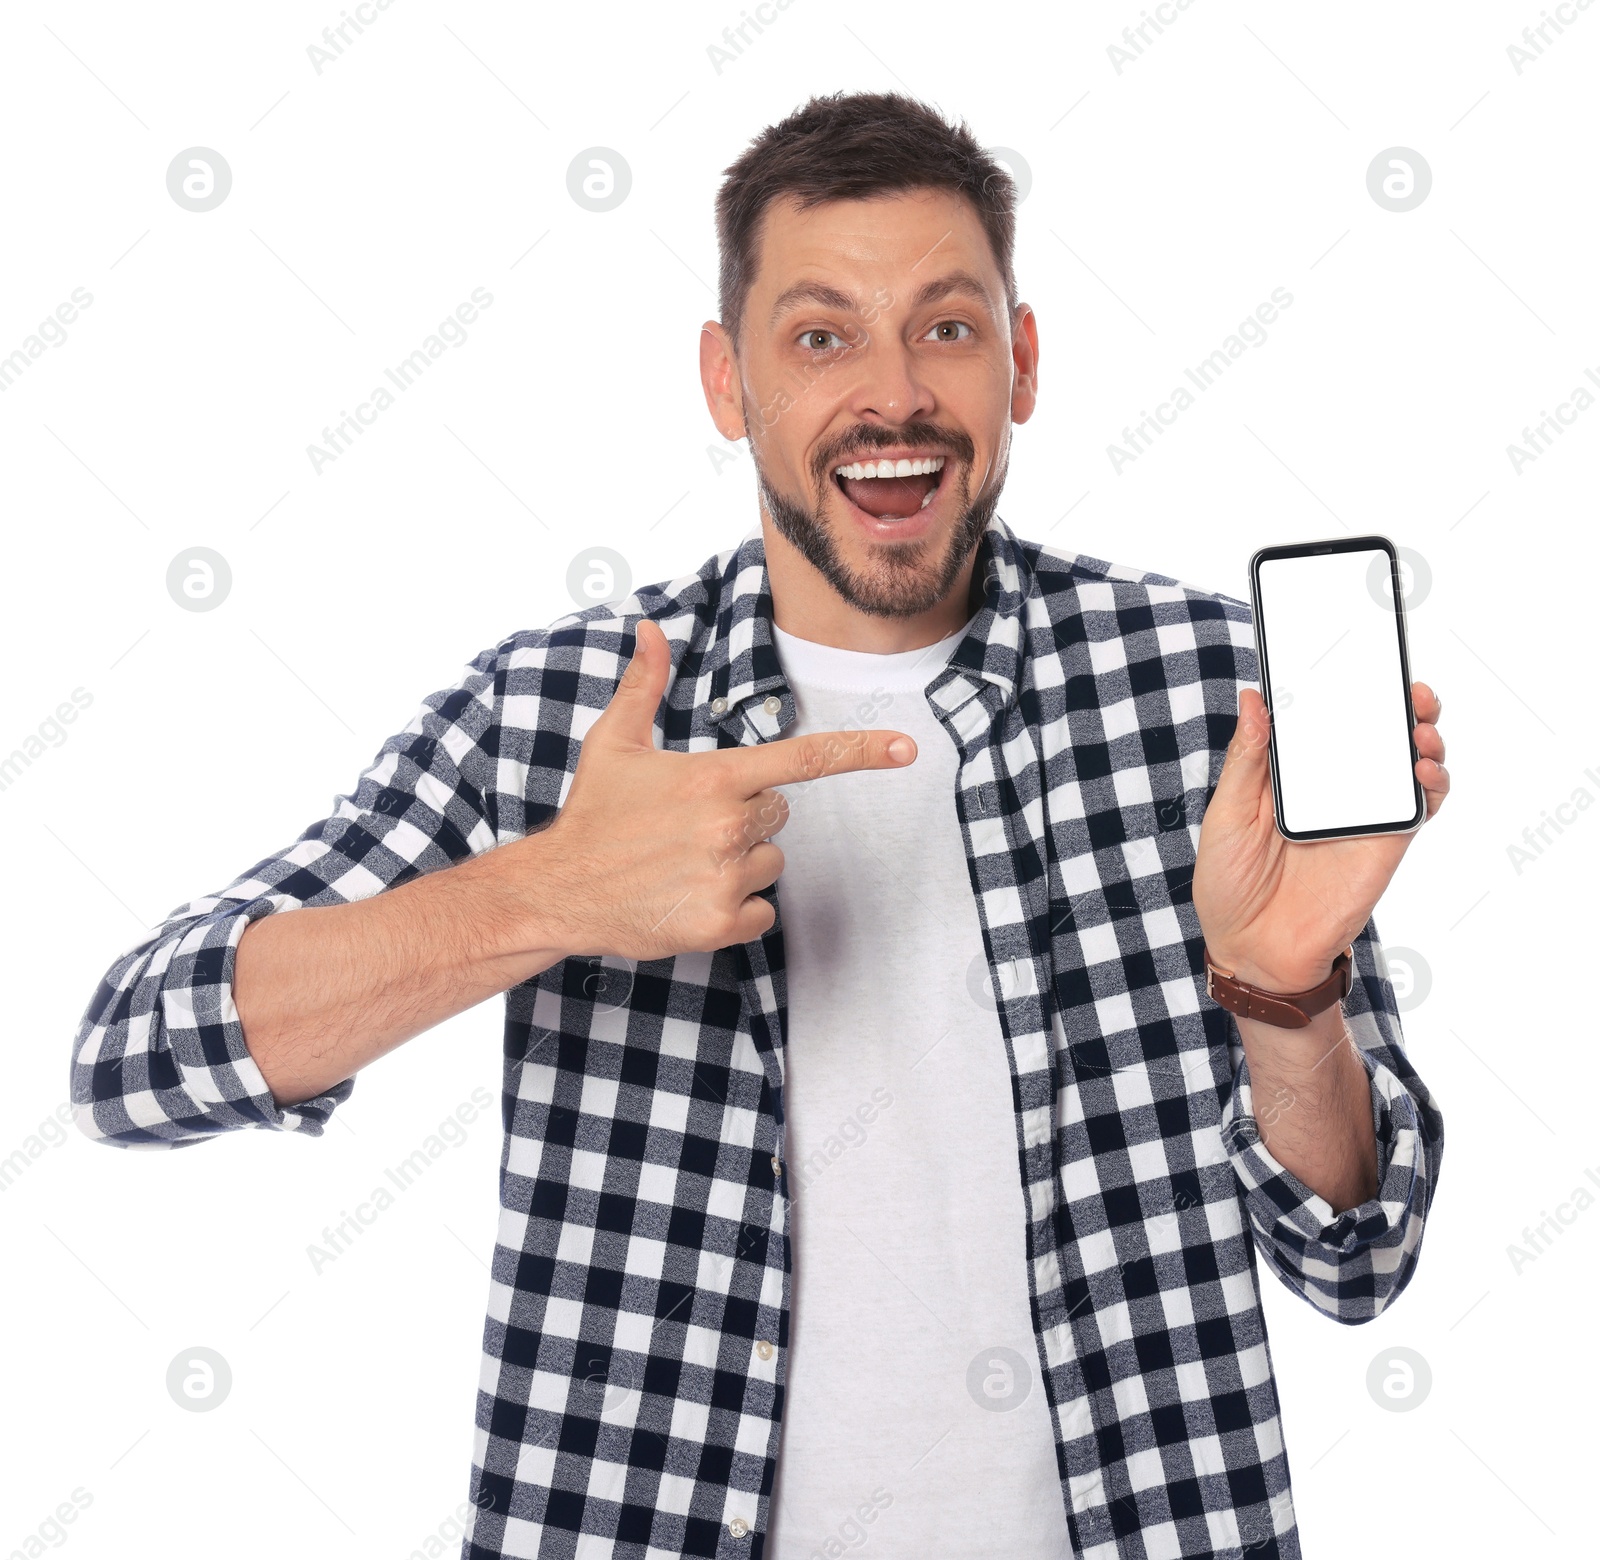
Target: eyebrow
[[956, 282]]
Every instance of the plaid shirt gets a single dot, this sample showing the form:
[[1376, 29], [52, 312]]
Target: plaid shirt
[[635, 1348]]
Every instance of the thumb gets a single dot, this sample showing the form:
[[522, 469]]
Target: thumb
[[631, 714], [1244, 770]]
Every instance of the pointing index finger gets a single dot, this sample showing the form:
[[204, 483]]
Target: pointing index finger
[[793, 759]]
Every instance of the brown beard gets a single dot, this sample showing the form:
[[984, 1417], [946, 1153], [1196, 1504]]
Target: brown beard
[[901, 587]]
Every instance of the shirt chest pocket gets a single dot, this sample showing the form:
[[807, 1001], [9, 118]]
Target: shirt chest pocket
[[1130, 994]]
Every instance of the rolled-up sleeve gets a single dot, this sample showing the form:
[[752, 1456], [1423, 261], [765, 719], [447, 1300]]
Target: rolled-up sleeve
[[159, 1058], [1353, 1264]]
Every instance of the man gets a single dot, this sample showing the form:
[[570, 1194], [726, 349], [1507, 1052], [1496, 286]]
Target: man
[[922, 1217]]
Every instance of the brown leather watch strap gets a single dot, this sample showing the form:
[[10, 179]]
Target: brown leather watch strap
[[1284, 1009]]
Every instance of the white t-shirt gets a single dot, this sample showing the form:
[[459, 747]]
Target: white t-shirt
[[915, 1420]]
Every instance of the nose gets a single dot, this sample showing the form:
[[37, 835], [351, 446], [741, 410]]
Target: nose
[[890, 386]]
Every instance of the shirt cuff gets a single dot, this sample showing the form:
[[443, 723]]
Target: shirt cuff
[[206, 1038], [1287, 1212]]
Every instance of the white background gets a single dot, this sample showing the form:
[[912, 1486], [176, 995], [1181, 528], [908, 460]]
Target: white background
[[1167, 201]]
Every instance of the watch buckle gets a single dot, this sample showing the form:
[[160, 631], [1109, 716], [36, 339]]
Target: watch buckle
[[1212, 971]]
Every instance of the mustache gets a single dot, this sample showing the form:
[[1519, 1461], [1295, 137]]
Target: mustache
[[867, 438]]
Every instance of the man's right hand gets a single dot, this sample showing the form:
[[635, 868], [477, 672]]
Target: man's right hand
[[656, 853], [652, 854]]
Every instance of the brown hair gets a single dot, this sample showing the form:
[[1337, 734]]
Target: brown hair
[[849, 148]]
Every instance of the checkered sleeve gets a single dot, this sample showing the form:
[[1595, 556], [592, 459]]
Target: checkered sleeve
[[159, 1058], [1354, 1263]]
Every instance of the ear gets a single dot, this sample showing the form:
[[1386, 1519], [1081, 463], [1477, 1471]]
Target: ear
[[719, 378], [1025, 359]]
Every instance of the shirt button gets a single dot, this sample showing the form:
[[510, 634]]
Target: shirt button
[[738, 1527], [718, 705], [772, 704], [777, 1165], [764, 1349]]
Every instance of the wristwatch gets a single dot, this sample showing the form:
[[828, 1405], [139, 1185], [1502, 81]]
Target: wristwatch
[[1283, 1009]]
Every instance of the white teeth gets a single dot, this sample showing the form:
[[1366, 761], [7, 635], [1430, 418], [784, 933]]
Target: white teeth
[[892, 468]]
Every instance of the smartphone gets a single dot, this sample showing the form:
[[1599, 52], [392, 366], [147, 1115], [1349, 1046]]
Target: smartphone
[[1330, 630]]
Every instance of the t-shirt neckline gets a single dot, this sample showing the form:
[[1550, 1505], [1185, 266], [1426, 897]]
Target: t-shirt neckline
[[829, 666]]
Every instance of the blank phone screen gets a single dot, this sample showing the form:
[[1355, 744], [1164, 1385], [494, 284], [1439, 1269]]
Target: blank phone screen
[[1337, 691]]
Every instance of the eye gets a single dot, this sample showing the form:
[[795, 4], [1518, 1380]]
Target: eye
[[811, 344], [958, 324]]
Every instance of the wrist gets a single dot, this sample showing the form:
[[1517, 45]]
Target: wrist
[[1281, 976], [518, 885]]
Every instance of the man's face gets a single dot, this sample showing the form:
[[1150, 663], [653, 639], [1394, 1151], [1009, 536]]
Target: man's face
[[877, 330]]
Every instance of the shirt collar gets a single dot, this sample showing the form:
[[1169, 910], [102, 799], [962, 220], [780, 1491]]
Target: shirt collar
[[746, 675]]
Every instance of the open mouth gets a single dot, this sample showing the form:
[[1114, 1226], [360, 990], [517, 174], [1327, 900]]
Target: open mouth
[[891, 490]]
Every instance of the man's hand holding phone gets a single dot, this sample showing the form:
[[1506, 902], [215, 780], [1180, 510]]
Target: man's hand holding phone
[[1277, 912]]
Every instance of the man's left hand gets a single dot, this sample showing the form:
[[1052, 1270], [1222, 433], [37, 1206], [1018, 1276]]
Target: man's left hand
[[1278, 912]]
